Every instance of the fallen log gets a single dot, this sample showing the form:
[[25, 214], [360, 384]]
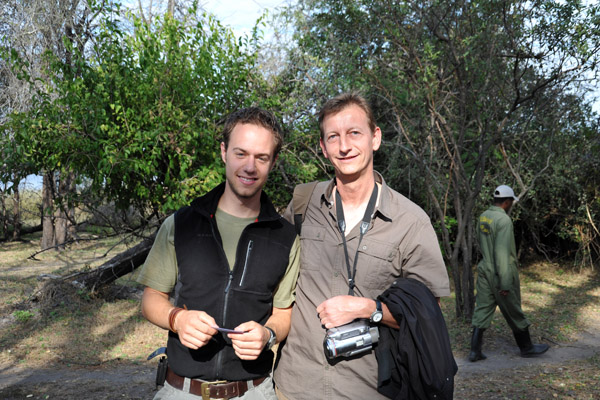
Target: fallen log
[[118, 266]]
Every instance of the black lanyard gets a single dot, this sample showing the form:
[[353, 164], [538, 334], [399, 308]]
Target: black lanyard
[[364, 226]]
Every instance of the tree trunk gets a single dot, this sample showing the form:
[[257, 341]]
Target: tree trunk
[[71, 224], [47, 211], [31, 229], [465, 242], [116, 267], [4, 233], [16, 214], [60, 213]]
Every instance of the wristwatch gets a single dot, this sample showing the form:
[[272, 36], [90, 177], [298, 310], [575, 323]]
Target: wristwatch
[[377, 315], [272, 339]]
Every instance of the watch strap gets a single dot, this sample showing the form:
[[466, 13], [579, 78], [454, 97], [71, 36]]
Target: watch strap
[[377, 315], [272, 339]]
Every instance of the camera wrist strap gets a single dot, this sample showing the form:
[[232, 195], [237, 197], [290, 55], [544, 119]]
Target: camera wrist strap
[[364, 226]]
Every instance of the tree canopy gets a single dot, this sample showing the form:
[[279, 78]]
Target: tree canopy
[[137, 112], [469, 95]]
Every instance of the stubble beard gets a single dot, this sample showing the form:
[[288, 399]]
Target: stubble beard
[[244, 196]]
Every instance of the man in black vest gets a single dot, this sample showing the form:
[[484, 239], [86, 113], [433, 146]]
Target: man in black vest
[[230, 262]]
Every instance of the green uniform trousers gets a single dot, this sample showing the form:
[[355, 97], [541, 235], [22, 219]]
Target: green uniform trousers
[[488, 297]]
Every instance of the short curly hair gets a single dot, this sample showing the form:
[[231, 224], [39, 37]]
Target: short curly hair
[[255, 116]]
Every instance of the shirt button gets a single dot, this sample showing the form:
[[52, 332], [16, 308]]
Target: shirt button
[[364, 247], [336, 274]]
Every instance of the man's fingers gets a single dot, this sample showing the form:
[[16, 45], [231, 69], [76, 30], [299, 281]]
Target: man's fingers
[[194, 342], [249, 345], [246, 353], [194, 328]]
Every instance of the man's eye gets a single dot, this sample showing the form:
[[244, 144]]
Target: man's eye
[[332, 138]]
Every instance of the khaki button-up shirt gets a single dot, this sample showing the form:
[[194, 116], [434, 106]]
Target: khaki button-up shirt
[[400, 242]]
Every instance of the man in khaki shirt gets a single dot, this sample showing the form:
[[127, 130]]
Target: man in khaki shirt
[[399, 241]]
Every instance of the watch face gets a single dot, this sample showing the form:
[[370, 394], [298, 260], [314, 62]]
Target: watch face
[[378, 313], [377, 316]]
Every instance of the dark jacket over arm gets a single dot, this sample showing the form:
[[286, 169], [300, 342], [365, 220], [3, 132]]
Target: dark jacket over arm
[[415, 361]]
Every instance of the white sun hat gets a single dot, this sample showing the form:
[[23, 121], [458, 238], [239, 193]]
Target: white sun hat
[[503, 191]]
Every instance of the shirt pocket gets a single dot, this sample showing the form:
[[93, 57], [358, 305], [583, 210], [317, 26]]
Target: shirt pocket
[[375, 268], [312, 245]]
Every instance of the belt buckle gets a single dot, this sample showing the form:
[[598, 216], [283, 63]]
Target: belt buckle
[[205, 388]]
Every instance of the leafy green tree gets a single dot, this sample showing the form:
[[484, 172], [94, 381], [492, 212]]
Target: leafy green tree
[[454, 84], [29, 29], [135, 115], [138, 112], [557, 217]]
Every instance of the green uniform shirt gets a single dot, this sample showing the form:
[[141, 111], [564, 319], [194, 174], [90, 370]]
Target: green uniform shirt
[[160, 269], [497, 243]]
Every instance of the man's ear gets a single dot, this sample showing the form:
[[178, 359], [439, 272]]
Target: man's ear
[[223, 152], [323, 149], [376, 138]]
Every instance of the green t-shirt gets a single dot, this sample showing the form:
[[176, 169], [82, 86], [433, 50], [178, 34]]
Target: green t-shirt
[[160, 269], [231, 228]]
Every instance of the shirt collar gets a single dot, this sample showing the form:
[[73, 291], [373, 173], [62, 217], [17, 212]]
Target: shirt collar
[[496, 208], [383, 206]]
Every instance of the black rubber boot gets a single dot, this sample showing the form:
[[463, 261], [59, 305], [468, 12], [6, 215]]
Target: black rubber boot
[[476, 342], [528, 349]]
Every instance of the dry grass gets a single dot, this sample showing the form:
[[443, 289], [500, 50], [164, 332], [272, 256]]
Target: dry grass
[[71, 327], [74, 329], [559, 302], [573, 380]]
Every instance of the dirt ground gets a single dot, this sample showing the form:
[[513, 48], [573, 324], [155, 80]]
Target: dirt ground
[[566, 371], [95, 349], [501, 376]]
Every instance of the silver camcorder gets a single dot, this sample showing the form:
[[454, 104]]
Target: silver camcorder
[[350, 339]]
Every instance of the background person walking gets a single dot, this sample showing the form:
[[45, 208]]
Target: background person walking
[[498, 278]]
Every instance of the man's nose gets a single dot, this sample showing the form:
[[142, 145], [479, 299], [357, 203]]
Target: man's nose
[[344, 144], [250, 164]]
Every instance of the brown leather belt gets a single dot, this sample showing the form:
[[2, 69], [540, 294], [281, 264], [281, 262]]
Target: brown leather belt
[[212, 390]]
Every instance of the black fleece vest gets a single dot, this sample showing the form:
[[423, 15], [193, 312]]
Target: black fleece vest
[[206, 283]]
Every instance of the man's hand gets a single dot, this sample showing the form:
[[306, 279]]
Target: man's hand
[[250, 344], [194, 328], [504, 293], [341, 310]]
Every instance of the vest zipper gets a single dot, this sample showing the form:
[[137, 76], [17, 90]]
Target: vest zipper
[[229, 280], [248, 251], [226, 291], [220, 355]]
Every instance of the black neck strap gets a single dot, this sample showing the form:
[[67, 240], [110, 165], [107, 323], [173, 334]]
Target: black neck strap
[[364, 226]]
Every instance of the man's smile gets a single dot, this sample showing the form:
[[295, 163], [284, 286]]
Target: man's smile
[[247, 180]]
